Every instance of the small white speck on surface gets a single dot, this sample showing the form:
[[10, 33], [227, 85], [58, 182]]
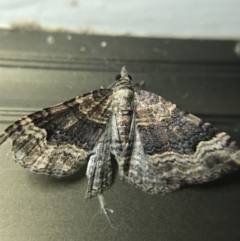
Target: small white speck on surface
[[237, 48], [103, 44], [236, 129], [69, 37], [82, 49], [185, 96], [50, 39]]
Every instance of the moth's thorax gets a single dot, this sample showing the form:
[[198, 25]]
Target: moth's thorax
[[123, 100]]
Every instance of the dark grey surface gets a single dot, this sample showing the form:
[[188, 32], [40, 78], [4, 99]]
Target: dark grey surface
[[200, 76]]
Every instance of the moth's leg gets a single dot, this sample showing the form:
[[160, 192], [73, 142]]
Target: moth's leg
[[104, 209]]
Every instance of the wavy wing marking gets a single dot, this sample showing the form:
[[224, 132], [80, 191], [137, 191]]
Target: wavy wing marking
[[173, 148], [57, 140]]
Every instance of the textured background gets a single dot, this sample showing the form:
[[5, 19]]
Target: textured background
[[38, 69]]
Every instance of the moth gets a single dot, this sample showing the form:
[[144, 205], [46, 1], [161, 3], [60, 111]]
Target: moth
[[158, 146]]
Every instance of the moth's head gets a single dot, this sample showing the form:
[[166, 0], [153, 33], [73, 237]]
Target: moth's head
[[124, 76]]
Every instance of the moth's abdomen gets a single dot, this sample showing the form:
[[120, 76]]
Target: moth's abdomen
[[123, 111]]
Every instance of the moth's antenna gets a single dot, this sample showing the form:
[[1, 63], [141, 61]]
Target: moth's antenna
[[111, 85]]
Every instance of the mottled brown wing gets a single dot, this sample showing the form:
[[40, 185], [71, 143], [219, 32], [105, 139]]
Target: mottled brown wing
[[57, 140], [173, 147]]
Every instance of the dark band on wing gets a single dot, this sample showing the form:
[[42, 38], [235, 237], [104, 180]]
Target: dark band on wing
[[72, 122], [177, 134]]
